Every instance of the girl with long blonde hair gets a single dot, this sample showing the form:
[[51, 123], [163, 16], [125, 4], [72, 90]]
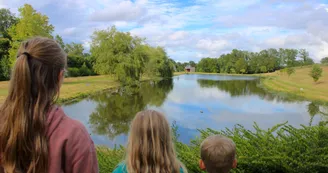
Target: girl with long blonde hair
[[35, 135], [150, 147]]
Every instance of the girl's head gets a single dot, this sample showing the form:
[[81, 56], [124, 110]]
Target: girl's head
[[34, 86], [150, 147]]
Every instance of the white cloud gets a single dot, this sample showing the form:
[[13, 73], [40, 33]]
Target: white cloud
[[178, 35], [124, 11], [69, 31], [194, 29], [212, 45]]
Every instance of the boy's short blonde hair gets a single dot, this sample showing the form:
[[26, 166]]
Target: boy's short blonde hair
[[218, 153]]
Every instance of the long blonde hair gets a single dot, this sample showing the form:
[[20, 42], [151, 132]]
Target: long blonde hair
[[33, 89], [150, 147]]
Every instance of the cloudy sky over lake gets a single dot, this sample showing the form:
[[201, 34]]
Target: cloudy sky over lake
[[192, 29]]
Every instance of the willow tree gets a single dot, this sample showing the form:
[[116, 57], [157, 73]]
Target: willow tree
[[119, 54]]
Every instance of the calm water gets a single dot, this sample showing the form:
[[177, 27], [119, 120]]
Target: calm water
[[192, 101]]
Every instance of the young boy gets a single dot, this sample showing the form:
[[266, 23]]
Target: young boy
[[218, 154]]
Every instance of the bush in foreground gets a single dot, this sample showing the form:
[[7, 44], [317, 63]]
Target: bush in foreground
[[282, 148]]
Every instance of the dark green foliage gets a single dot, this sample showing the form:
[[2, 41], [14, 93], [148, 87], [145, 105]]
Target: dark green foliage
[[108, 159], [85, 71], [324, 61], [290, 71], [241, 62], [316, 72], [208, 65], [280, 149], [73, 72], [7, 19], [263, 69], [80, 65]]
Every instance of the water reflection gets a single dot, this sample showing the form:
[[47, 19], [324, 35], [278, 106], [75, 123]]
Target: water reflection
[[314, 108], [238, 88], [114, 111], [194, 102], [250, 87]]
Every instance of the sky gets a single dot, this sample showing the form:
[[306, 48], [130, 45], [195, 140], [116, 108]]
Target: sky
[[193, 29]]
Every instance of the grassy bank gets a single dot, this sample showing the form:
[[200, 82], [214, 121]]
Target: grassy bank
[[79, 87], [299, 84], [74, 88], [281, 148]]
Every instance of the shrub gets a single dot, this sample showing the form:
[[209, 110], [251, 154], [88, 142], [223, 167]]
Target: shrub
[[290, 71], [73, 72], [282, 148], [85, 71], [232, 71], [242, 71], [263, 69], [108, 158], [316, 72]]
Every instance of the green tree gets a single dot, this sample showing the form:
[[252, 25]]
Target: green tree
[[157, 62], [208, 65], [119, 54], [74, 49], [241, 65], [290, 71], [84, 70], [7, 19], [263, 69], [304, 55], [180, 66], [31, 23], [324, 61], [316, 72], [60, 41], [192, 63]]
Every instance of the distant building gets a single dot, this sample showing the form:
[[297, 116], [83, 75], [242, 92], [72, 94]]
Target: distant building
[[188, 68]]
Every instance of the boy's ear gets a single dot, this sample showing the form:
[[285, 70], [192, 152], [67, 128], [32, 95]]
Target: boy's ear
[[234, 164], [202, 165]]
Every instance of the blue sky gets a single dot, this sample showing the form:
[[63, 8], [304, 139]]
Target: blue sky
[[192, 29]]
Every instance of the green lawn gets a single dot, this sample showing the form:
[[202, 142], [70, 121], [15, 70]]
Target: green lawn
[[74, 87], [299, 83]]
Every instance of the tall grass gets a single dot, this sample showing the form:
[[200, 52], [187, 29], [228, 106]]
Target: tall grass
[[282, 148]]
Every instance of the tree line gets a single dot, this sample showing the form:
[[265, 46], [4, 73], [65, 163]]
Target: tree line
[[245, 62], [112, 52]]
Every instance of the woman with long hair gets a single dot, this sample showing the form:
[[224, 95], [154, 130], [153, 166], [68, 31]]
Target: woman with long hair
[[35, 135], [150, 148]]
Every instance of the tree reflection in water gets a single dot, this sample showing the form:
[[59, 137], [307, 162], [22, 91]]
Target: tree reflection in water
[[115, 111], [250, 87]]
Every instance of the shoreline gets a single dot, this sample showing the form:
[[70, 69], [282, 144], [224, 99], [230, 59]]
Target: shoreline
[[298, 85], [77, 88]]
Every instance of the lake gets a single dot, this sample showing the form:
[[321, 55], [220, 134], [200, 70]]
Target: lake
[[192, 102]]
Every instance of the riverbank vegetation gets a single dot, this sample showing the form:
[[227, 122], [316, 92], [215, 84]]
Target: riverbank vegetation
[[282, 148], [74, 88], [245, 62], [127, 57], [300, 83]]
